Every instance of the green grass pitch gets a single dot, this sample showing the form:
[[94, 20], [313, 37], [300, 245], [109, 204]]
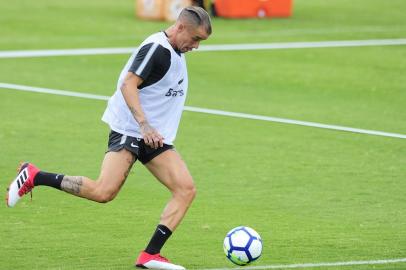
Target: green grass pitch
[[314, 195]]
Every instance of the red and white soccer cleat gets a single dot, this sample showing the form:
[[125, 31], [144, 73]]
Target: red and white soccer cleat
[[148, 261], [22, 184]]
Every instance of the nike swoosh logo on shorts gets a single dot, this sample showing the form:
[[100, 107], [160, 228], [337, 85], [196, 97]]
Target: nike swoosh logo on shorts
[[134, 145]]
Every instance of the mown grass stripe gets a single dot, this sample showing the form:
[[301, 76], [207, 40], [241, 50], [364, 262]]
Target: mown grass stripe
[[309, 265], [211, 111], [211, 48]]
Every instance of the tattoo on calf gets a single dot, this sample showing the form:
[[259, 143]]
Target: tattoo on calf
[[72, 184]]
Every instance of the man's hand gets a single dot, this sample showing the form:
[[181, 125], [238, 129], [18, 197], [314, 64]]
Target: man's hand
[[151, 136]]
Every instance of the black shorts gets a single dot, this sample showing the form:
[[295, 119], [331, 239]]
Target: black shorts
[[136, 146]]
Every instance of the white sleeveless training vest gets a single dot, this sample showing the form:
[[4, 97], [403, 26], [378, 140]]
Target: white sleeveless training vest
[[162, 102]]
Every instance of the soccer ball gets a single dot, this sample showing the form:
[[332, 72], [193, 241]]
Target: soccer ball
[[242, 245]]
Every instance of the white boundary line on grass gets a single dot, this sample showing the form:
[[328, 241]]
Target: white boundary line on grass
[[308, 265], [221, 47], [209, 111]]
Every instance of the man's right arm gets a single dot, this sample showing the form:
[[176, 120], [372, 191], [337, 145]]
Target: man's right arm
[[129, 89]]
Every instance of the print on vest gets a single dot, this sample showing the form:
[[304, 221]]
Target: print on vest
[[173, 93]]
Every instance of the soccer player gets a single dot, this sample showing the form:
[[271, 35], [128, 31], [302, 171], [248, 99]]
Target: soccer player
[[143, 115]]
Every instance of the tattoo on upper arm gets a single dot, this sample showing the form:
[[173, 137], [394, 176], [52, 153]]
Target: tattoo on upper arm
[[72, 184]]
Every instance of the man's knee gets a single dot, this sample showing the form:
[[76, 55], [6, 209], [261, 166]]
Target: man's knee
[[104, 194], [187, 192], [105, 197], [191, 192]]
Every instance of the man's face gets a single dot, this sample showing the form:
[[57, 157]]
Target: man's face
[[189, 37]]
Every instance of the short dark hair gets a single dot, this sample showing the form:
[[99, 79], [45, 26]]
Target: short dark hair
[[197, 16]]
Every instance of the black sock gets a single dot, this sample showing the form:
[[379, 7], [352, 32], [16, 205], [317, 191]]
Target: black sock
[[48, 179], [158, 240]]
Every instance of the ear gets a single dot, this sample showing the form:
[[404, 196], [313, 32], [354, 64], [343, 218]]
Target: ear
[[181, 27]]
